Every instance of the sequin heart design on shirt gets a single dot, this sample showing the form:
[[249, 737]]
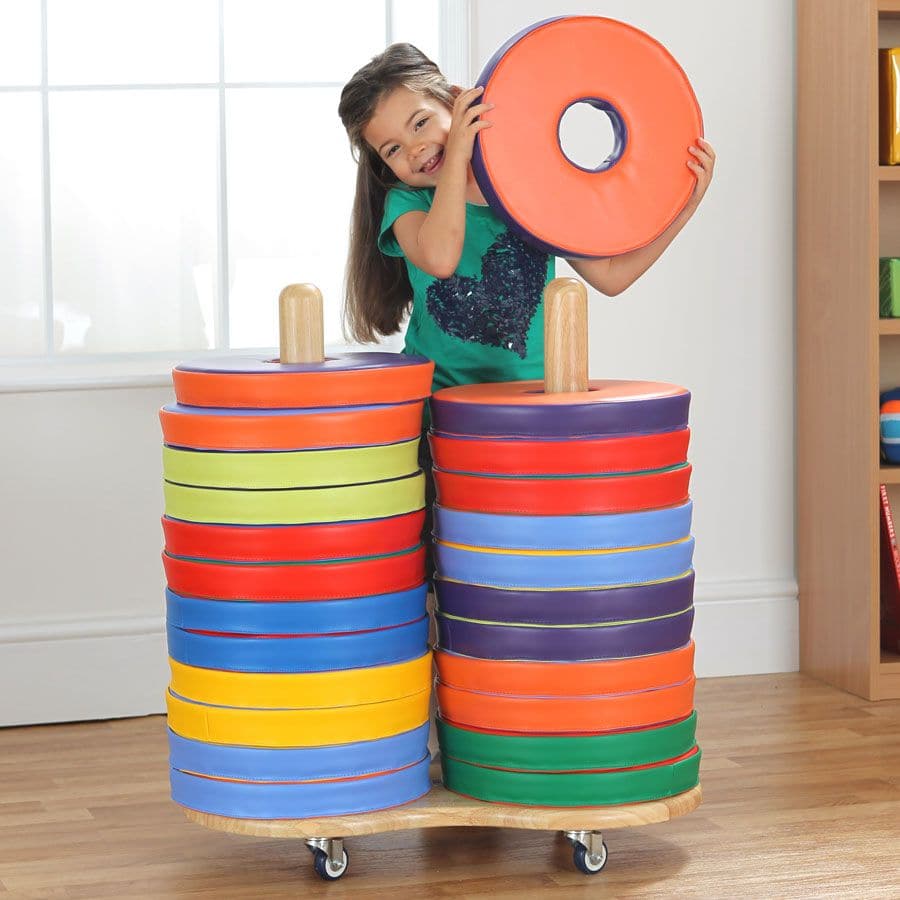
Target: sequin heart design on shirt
[[495, 310]]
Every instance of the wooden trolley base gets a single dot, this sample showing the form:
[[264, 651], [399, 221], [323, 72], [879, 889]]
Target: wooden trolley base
[[441, 808]]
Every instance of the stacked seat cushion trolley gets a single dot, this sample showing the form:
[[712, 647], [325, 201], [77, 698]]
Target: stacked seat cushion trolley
[[296, 619], [298, 705], [564, 585]]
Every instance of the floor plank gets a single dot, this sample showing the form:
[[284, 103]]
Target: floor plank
[[801, 787]]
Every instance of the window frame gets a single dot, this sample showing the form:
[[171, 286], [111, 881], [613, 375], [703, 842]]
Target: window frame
[[55, 371]]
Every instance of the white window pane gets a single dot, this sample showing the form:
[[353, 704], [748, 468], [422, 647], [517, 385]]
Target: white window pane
[[134, 193], [20, 42], [21, 217], [133, 42], [289, 201], [283, 40], [417, 23]]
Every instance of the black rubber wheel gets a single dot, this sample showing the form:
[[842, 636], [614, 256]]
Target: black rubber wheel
[[324, 868], [585, 863]]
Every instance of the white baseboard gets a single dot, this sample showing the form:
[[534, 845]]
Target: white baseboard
[[66, 671], [69, 671], [746, 627]]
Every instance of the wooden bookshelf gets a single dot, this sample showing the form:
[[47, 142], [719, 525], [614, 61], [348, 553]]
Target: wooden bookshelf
[[848, 214]]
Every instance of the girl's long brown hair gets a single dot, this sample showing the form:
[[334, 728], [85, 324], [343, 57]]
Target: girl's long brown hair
[[377, 288]]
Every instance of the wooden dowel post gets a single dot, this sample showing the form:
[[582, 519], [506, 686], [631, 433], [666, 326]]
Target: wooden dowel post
[[301, 332], [565, 336]]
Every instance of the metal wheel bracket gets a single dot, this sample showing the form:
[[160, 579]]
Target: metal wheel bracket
[[592, 841], [332, 847]]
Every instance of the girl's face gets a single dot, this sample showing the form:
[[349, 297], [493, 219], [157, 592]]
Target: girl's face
[[409, 132]]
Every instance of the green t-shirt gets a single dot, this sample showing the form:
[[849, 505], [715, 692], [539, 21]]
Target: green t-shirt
[[485, 322]]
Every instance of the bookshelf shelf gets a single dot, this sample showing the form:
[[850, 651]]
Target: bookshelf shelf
[[848, 214]]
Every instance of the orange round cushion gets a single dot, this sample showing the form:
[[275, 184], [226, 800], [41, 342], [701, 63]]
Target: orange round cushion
[[520, 165], [267, 429], [342, 379], [534, 678], [565, 715]]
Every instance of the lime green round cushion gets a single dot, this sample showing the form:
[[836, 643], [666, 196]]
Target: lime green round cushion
[[288, 469], [298, 506]]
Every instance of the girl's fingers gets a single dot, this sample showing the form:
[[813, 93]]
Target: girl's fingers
[[467, 96], [701, 154], [702, 161], [707, 148], [476, 111]]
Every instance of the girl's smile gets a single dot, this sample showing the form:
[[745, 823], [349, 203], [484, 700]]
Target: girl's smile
[[409, 132], [433, 163]]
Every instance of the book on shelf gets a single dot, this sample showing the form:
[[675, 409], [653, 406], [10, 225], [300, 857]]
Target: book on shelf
[[888, 96], [890, 578], [889, 287]]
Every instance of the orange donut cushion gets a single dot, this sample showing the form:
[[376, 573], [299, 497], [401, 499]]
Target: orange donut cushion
[[521, 167]]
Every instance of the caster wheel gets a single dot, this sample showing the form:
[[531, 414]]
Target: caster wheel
[[326, 869], [587, 863]]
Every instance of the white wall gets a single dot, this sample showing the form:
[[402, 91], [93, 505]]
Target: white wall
[[716, 312], [82, 608], [81, 614]]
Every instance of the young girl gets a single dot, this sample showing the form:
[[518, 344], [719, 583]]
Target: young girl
[[424, 241]]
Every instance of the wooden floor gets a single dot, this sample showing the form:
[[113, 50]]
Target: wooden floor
[[801, 788]]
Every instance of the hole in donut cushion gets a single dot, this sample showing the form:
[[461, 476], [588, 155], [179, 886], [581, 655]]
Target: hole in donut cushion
[[591, 134]]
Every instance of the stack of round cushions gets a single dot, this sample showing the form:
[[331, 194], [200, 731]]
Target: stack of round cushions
[[296, 616], [565, 593]]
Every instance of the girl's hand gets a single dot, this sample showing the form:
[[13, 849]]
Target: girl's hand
[[464, 125], [702, 166]]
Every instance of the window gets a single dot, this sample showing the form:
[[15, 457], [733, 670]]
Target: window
[[167, 167]]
